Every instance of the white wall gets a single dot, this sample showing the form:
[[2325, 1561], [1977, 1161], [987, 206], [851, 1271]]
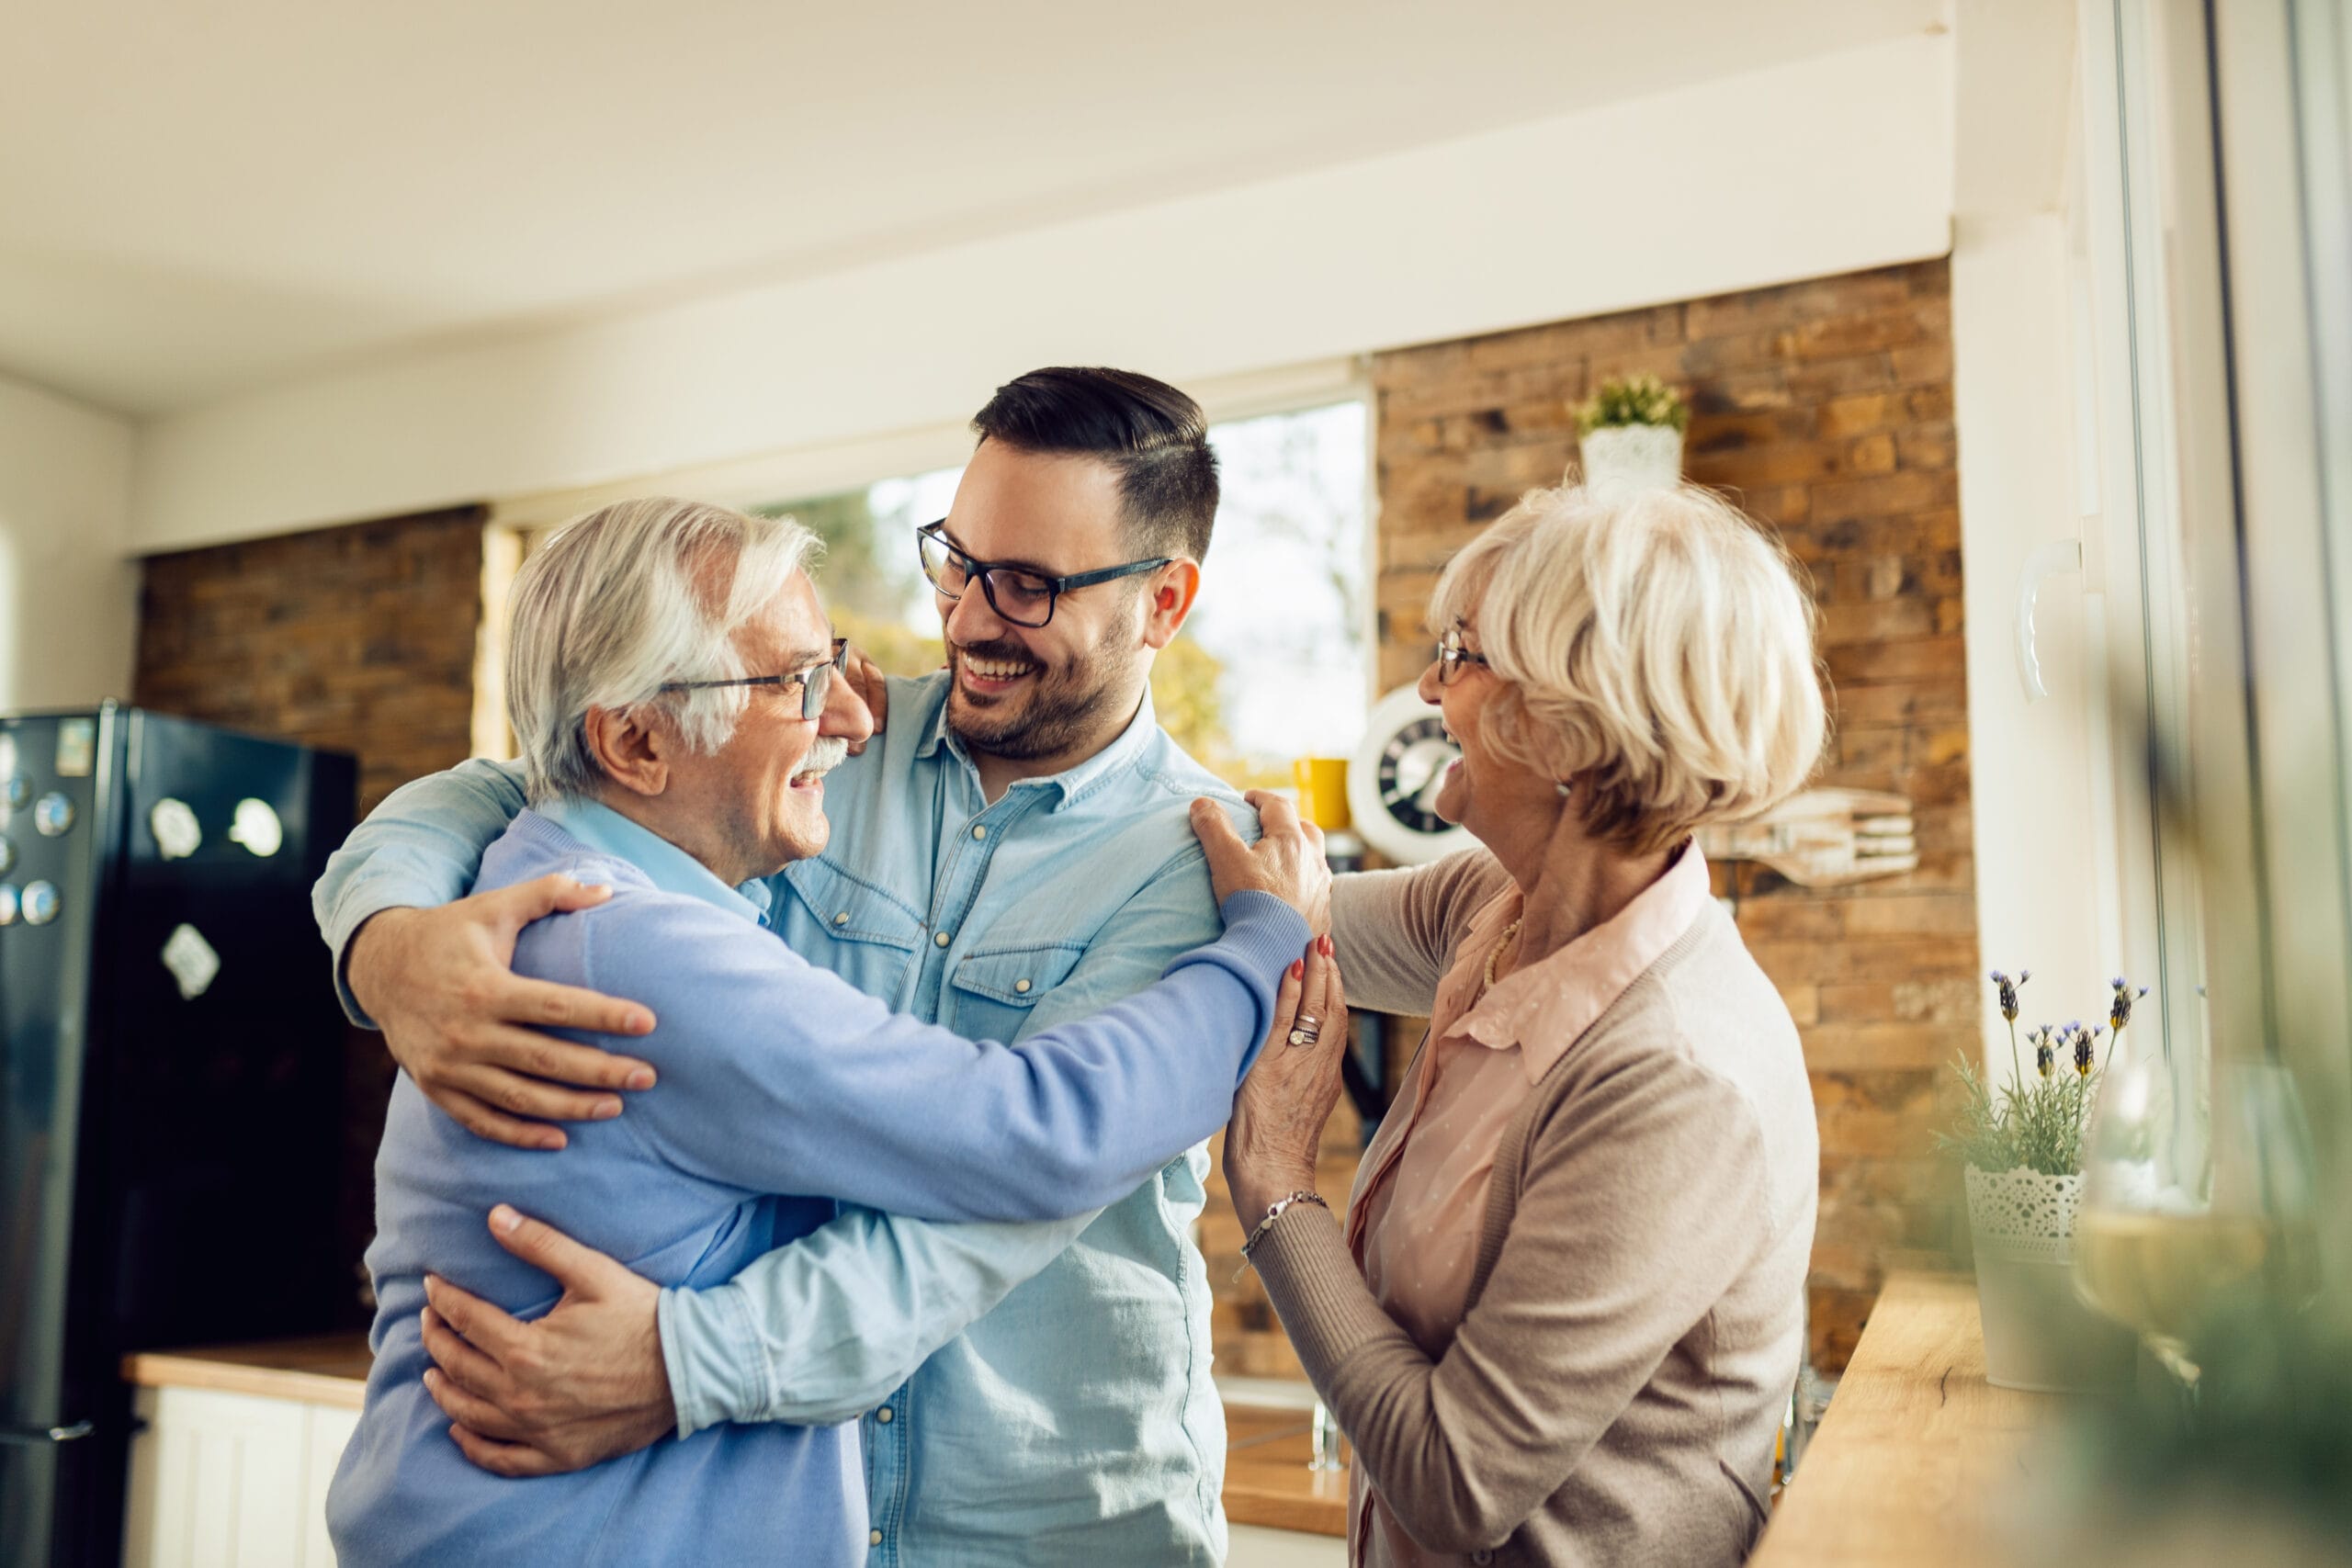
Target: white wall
[[1830, 166], [68, 593]]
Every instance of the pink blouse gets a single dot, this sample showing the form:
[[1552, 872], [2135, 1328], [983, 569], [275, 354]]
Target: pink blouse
[[1421, 1194]]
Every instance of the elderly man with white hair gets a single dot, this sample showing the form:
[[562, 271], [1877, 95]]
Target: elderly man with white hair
[[1563, 1314], [672, 682]]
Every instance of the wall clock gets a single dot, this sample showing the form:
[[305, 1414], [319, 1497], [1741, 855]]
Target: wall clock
[[1393, 783]]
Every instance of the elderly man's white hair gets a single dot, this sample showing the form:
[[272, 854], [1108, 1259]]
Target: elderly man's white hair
[[623, 599]]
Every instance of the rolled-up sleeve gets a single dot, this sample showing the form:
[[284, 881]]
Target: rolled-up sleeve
[[420, 849]]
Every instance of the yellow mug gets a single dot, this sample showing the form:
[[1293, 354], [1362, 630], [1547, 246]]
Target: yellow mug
[[1322, 791]]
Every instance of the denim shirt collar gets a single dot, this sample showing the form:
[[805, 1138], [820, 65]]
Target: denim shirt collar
[[1071, 785], [666, 865]]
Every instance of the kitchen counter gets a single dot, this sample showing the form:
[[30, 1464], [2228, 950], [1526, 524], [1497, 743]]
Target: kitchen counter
[[330, 1370], [1917, 1456], [1266, 1479], [1267, 1482]]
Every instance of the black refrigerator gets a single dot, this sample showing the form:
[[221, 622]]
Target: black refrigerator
[[170, 1076]]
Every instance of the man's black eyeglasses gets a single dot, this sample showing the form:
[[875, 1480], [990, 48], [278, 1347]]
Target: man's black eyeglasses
[[815, 682], [1017, 594], [1452, 656]]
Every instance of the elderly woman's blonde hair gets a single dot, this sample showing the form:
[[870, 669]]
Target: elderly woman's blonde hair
[[1656, 648]]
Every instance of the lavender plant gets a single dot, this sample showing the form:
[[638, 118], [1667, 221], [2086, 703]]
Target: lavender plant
[[2036, 1123]]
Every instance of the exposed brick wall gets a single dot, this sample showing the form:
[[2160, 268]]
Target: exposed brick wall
[[359, 639], [1826, 408]]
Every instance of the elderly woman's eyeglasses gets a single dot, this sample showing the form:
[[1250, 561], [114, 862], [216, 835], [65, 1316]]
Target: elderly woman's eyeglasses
[[816, 683], [1017, 594], [1452, 656]]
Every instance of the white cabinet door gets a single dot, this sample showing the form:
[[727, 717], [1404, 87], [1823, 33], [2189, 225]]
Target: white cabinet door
[[1254, 1546], [216, 1482], [330, 1431], [232, 1480]]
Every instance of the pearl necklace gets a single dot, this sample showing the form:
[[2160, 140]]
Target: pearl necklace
[[1496, 957]]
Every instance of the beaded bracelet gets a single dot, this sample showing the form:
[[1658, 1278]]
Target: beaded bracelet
[[1273, 1213]]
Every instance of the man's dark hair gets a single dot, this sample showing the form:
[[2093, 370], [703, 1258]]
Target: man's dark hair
[[1154, 435]]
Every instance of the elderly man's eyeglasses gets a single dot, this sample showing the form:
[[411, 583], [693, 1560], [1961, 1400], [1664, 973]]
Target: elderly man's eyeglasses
[[1452, 656], [1017, 594], [816, 683]]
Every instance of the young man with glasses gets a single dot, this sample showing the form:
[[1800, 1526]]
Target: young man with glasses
[[1015, 850]]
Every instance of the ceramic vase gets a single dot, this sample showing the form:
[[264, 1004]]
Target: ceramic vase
[[2039, 1335], [1622, 459]]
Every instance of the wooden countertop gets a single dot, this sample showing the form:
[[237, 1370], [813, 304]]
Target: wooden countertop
[[329, 1370], [1266, 1479], [1918, 1454]]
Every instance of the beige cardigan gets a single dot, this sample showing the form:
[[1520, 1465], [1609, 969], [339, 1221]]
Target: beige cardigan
[[1634, 1320]]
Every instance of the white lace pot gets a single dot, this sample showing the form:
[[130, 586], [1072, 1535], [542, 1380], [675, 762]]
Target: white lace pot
[[2039, 1335], [1621, 459]]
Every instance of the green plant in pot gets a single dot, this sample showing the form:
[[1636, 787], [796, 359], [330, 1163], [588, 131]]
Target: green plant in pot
[[1630, 432], [2020, 1142]]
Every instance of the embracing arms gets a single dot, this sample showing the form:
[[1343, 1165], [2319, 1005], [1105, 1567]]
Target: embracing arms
[[780, 1077], [472, 1043]]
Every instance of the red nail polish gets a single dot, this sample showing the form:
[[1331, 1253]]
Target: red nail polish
[[1298, 968]]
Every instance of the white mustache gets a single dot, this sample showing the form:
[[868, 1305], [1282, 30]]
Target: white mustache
[[828, 753]]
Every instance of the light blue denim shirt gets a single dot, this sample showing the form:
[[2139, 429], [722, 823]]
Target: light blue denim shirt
[[1031, 1393]]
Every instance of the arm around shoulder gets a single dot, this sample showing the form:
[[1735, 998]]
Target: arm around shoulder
[[420, 848]]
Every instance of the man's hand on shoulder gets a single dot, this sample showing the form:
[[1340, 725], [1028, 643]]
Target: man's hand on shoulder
[[440, 984]]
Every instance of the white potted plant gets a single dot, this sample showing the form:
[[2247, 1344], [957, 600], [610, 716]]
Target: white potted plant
[[2023, 1146], [1630, 435]]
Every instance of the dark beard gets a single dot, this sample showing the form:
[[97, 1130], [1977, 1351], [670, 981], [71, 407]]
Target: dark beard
[[1066, 706]]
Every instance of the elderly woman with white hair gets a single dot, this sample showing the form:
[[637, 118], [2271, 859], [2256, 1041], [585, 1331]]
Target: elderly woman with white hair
[[1562, 1315]]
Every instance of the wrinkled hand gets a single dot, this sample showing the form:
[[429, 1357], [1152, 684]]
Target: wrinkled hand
[[583, 1385], [1278, 1117], [865, 678], [440, 983], [1286, 861]]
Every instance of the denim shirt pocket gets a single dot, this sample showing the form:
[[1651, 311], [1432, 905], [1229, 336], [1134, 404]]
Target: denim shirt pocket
[[878, 934], [996, 988]]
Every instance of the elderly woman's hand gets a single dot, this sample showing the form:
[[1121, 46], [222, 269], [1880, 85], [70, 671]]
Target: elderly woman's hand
[[1286, 861], [1269, 1146]]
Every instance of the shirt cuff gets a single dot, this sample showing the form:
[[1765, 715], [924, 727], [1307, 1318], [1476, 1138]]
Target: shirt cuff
[[707, 1349], [353, 911], [1262, 931]]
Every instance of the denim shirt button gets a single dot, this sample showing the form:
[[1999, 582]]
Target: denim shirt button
[[1021, 986], [943, 938], [842, 919], [873, 1538], [882, 1415], [980, 832]]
